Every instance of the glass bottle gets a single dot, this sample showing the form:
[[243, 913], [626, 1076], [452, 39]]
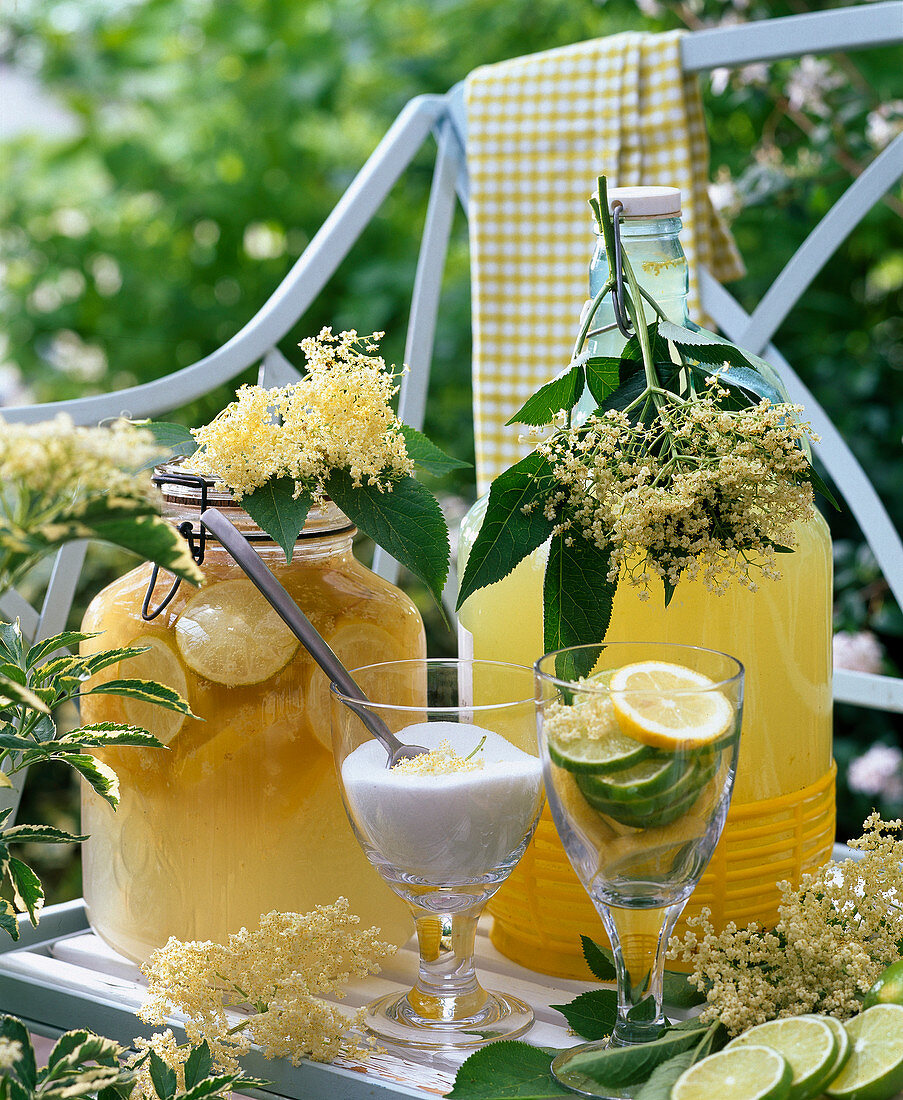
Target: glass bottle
[[241, 813], [781, 822]]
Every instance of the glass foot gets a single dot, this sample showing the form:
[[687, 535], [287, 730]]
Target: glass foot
[[568, 1070], [393, 1019]]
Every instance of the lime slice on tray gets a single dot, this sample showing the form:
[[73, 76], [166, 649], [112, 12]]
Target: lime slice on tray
[[874, 1070], [668, 706], [598, 755], [159, 662], [888, 989], [736, 1073], [229, 633], [844, 1047], [807, 1043]]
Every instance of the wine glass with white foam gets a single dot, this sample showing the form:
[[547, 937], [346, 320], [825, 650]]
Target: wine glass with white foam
[[444, 829]]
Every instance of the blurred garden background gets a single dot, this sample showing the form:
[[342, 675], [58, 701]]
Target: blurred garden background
[[196, 147]]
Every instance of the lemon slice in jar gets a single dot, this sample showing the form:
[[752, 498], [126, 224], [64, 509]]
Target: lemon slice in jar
[[668, 706], [159, 662], [355, 644], [229, 633]]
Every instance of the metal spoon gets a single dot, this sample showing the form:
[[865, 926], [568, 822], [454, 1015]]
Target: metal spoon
[[305, 631]]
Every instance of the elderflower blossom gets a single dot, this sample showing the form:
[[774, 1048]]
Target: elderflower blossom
[[166, 1047], [700, 491], [444, 760], [278, 971], [338, 416], [835, 934]]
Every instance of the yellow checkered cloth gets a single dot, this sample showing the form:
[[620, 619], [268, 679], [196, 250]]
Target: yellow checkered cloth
[[540, 129]]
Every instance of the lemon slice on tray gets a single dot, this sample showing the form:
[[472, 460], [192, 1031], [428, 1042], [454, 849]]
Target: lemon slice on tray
[[355, 644], [229, 633], [159, 662], [668, 706]]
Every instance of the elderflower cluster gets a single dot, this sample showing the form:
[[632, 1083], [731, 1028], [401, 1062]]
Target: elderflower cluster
[[590, 718], [10, 1053], [166, 1047], [835, 934], [339, 416], [279, 971], [700, 490], [441, 761], [63, 469]]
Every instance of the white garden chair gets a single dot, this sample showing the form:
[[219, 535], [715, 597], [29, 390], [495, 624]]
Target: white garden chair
[[444, 118]]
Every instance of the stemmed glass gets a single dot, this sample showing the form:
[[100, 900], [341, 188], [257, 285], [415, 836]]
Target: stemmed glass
[[639, 747], [444, 831]]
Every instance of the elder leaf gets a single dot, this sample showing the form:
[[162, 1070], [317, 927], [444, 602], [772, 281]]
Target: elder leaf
[[426, 455], [592, 1014], [561, 393], [407, 522], [508, 534], [577, 600], [507, 1069], [276, 510], [663, 1077], [599, 959], [29, 894]]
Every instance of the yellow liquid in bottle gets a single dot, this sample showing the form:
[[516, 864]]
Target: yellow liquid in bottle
[[242, 813], [782, 814]]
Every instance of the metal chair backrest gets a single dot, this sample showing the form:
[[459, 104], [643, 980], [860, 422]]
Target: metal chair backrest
[[444, 117]]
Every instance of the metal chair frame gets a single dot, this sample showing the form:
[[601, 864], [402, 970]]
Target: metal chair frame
[[444, 117]]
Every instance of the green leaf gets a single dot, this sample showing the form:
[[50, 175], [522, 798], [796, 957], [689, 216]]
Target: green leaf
[[659, 1085], [11, 642], [198, 1064], [749, 381], [13, 692], [407, 522], [276, 510], [670, 589], [174, 440], [599, 959], [592, 1014], [12, 742], [508, 534], [217, 1085], [616, 1067], [820, 487], [163, 1077], [67, 640], [110, 733], [29, 894], [15, 1031], [146, 690], [603, 376], [632, 349], [79, 1046], [155, 539], [507, 1069], [9, 919], [577, 599], [100, 775], [561, 393], [427, 456], [679, 992], [18, 834]]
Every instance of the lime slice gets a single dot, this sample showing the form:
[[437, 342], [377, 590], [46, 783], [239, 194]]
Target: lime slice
[[874, 1070], [739, 1073], [844, 1046], [229, 633], [668, 706], [598, 755], [807, 1043], [888, 989], [640, 782], [355, 643], [159, 662]]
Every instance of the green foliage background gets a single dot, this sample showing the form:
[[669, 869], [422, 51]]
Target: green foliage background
[[216, 138]]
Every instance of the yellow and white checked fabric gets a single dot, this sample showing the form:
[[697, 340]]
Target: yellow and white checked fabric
[[540, 129]]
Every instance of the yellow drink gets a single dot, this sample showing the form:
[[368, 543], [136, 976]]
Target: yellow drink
[[781, 822], [242, 813]]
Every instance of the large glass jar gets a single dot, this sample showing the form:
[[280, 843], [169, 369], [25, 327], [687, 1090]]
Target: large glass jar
[[241, 813], [781, 822]]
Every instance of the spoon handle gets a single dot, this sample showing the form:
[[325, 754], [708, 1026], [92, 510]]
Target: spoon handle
[[295, 619]]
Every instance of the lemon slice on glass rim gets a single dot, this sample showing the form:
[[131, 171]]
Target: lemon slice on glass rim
[[159, 662], [229, 633], [668, 706]]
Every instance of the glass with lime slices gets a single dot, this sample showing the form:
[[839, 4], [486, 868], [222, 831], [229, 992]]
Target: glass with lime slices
[[639, 744]]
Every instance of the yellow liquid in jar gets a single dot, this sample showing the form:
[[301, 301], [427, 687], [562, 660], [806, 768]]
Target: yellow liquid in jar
[[781, 633], [242, 813]]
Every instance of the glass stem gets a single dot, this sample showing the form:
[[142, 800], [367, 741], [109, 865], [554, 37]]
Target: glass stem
[[639, 941], [446, 986]]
